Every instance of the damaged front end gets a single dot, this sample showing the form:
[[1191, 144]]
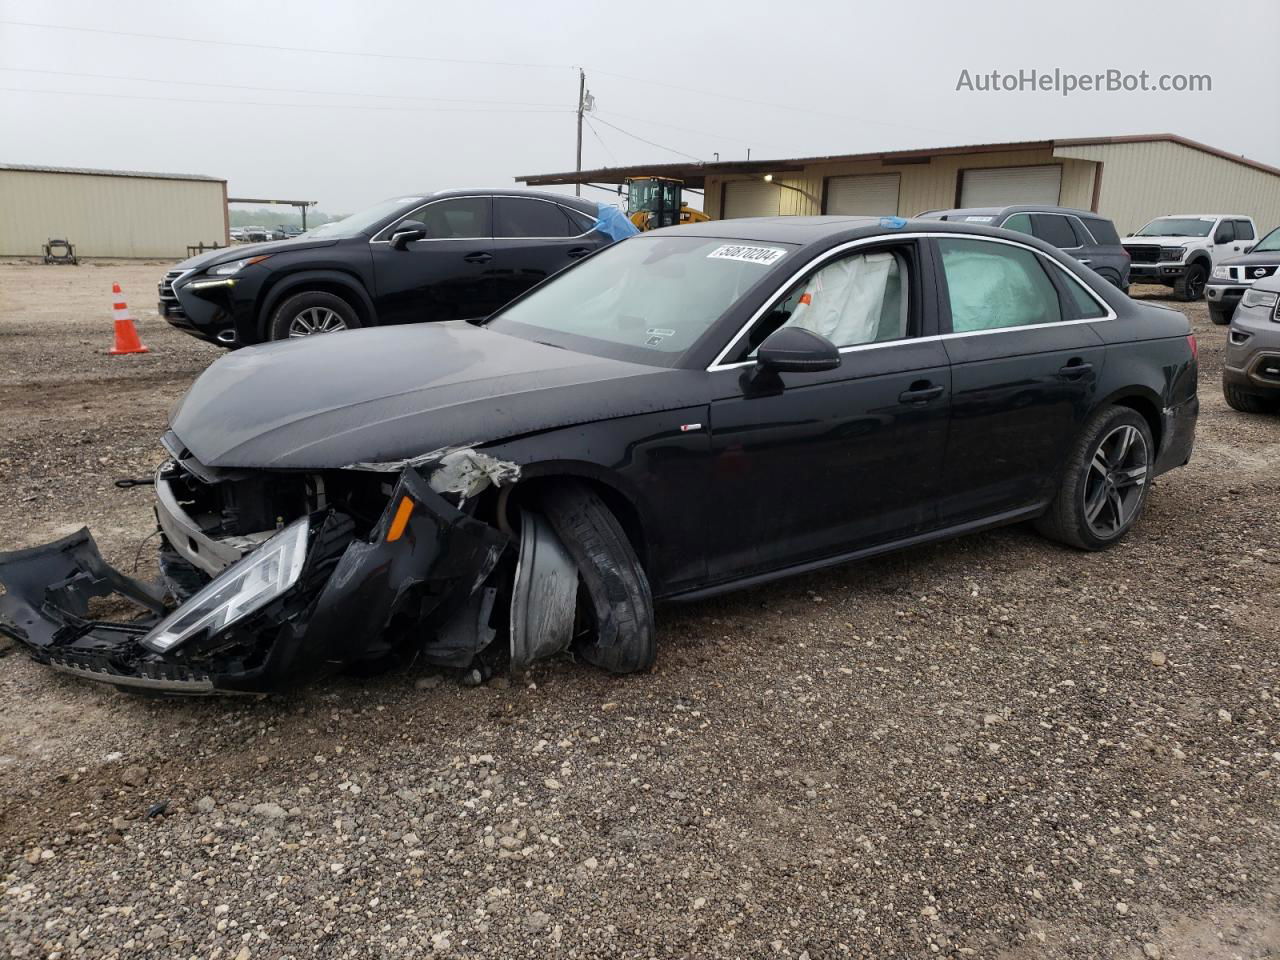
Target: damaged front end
[[270, 578], [329, 589]]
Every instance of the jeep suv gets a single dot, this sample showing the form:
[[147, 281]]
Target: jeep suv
[[1233, 276], [1089, 238], [1251, 367], [452, 255], [1181, 250]]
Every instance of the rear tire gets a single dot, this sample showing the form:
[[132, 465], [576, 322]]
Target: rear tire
[[1104, 484], [618, 590], [309, 313], [1218, 316], [1190, 286], [1246, 402]]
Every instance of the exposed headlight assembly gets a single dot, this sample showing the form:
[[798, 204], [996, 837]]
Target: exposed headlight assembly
[[235, 266], [243, 588], [1259, 298], [1172, 253]]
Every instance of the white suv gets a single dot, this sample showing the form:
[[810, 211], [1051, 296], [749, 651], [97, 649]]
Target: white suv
[[1181, 250]]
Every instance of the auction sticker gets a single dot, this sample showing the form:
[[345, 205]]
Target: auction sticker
[[736, 251]]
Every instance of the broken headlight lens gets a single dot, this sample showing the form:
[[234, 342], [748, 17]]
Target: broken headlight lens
[[244, 587]]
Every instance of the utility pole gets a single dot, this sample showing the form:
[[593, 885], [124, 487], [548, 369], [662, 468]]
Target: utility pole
[[582, 104]]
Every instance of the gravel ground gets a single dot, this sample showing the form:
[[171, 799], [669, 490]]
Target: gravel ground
[[993, 747]]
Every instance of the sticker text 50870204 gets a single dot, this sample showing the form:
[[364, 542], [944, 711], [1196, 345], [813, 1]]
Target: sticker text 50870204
[[767, 256]]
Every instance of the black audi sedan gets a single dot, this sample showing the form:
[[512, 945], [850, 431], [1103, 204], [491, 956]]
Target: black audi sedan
[[692, 410], [450, 255]]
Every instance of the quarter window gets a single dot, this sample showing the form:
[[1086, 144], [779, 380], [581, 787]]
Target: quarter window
[[996, 285], [459, 219], [526, 217], [856, 300]]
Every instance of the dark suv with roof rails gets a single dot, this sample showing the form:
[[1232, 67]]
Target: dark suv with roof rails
[[450, 255], [1090, 238]]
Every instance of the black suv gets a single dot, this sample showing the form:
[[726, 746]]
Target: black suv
[[1085, 235], [455, 254]]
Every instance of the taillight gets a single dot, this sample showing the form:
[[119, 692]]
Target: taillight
[[1195, 349]]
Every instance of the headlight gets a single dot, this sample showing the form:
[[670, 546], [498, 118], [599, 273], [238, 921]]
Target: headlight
[[227, 269], [1221, 273], [1258, 298], [244, 587], [1171, 253]]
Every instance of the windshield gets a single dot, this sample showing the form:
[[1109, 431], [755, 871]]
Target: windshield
[[1268, 244], [647, 298], [1177, 227], [358, 223]]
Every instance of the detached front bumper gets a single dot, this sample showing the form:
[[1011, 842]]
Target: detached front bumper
[[423, 563]]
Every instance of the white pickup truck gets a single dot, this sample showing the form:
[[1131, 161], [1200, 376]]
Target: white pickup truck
[[1181, 250]]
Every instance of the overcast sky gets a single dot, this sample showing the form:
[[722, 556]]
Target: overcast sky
[[377, 116]]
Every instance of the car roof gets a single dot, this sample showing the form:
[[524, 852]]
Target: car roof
[[1012, 208], [589, 207], [1202, 216], [828, 230]]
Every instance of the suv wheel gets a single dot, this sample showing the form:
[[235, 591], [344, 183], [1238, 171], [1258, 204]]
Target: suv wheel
[[1190, 285], [306, 314], [1219, 316], [1104, 486], [1247, 402]]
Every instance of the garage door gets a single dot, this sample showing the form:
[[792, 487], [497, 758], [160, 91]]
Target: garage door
[[750, 198], [866, 196], [997, 186]]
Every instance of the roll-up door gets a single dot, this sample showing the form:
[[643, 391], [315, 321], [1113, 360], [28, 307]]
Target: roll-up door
[[874, 195], [750, 198], [998, 186]]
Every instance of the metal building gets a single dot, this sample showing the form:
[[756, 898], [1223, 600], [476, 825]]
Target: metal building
[[109, 213], [1129, 179]]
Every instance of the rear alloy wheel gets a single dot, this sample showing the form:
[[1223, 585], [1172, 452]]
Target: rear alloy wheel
[[1190, 286], [307, 314], [1104, 486], [1247, 402]]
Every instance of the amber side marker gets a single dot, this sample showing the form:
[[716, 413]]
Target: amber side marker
[[400, 520]]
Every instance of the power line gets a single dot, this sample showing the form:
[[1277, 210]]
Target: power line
[[269, 46], [591, 126], [672, 126], [790, 107], [239, 86], [651, 143], [287, 106]]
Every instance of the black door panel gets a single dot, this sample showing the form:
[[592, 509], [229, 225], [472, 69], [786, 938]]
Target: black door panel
[[813, 465]]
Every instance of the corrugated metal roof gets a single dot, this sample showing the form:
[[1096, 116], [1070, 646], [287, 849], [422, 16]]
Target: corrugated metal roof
[[29, 168], [694, 174]]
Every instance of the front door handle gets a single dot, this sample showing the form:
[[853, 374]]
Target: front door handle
[[577, 252], [1075, 369], [921, 392], [478, 257]]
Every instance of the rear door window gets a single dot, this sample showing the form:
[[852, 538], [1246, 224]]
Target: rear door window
[[516, 217], [1054, 229], [1104, 231], [994, 286], [1244, 230]]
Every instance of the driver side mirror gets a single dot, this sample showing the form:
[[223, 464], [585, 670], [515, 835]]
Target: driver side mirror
[[797, 350], [406, 231]]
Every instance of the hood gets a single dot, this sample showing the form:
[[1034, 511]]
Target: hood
[[242, 250], [1245, 259], [1269, 284], [394, 393], [1164, 241]]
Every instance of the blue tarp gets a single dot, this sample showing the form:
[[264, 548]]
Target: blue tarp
[[613, 223]]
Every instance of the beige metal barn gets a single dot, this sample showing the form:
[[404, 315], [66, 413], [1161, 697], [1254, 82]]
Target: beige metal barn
[[1129, 179], [109, 213]]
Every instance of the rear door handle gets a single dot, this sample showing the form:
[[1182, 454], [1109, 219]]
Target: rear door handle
[[478, 257], [1074, 370], [920, 393], [577, 252]]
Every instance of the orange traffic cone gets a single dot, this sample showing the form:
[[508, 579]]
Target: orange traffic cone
[[126, 333]]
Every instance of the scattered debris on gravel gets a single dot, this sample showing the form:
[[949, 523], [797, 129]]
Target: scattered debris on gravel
[[993, 747]]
